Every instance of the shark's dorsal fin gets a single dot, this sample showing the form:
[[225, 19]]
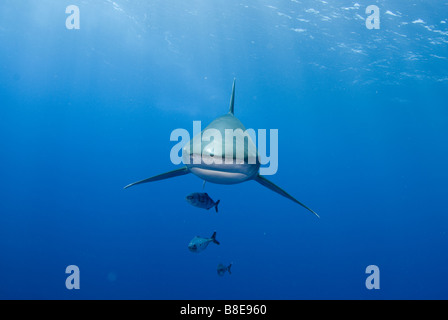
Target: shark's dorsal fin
[[232, 98]]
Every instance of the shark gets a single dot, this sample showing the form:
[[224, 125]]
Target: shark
[[244, 167]]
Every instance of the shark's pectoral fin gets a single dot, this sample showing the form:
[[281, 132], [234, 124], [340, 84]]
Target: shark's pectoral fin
[[268, 184], [166, 175]]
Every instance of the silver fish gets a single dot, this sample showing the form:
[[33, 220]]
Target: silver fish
[[202, 200], [222, 269], [199, 244]]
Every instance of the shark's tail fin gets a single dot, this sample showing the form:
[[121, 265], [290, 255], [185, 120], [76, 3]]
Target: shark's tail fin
[[228, 268], [268, 184], [232, 98], [216, 205], [214, 238], [166, 175]]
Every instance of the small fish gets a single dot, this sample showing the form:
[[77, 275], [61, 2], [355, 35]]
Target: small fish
[[202, 200], [199, 244], [222, 269]]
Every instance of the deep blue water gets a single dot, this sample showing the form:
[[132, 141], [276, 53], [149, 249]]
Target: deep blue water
[[363, 133]]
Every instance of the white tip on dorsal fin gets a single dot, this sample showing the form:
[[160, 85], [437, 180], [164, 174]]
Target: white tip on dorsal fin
[[232, 98]]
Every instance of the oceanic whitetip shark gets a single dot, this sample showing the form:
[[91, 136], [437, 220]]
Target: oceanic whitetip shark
[[197, 157]]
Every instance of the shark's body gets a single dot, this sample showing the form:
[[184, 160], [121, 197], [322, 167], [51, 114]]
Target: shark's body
[[239, 170], [198, 154]]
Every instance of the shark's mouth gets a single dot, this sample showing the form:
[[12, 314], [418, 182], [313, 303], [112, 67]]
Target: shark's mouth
[[230, 164], [221, 170], [220, 177]]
